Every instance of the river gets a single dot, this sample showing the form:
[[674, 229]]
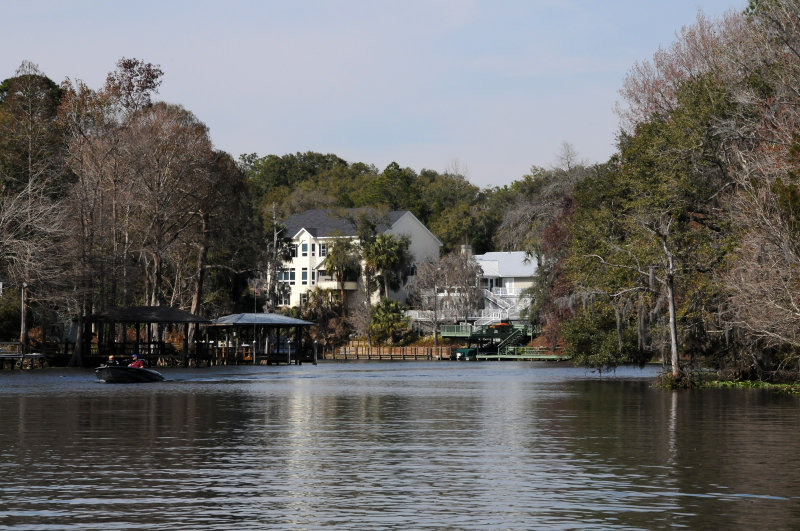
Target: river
[[393, 445]]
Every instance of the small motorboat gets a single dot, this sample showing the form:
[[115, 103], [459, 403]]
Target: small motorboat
[[123, 374]]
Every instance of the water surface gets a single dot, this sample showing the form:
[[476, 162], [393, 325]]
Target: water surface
[[400, 445]]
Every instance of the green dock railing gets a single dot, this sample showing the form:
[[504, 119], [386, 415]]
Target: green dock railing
[[523, 354]]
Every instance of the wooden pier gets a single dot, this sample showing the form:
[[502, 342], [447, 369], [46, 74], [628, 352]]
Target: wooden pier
[[12, 357], [523, 354], [390, 353]]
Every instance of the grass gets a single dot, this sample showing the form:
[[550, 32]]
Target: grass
[[789, 388]]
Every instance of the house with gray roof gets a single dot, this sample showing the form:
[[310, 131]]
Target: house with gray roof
[[505, 277], [506, 273], [313, 233]]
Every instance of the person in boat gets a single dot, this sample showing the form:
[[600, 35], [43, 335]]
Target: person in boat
[[111, 360], [137, 363]]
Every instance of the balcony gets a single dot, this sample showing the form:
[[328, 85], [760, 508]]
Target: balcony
[[325, 282]]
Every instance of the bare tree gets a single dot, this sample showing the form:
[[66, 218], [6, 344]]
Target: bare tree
[[763, 71], [424, 290], [30, 181], [100, 201], [463, 294], [149, 188], [446, 288], [31, 230], [568, 158], [170, 154], [650, 88], [133, 83], [275, 251]]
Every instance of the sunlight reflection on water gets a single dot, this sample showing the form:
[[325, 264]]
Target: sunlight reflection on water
[[392, 446]]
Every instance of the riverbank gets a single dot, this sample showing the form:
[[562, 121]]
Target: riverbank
[[789, 388]]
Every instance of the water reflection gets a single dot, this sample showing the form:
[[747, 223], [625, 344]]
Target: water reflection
[[392, 445]]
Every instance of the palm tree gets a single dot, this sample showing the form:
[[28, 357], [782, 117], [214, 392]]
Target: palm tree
[[389, 256], [388, 319], [343, 262], [328, 330]]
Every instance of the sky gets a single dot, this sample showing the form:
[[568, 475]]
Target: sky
[[485, 88]]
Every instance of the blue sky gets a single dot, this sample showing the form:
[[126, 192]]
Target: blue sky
[[488, 88]]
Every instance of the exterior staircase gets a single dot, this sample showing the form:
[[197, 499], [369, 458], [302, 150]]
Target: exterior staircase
[[512, 339]]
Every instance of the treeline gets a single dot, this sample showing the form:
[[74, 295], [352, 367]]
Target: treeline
[[110, 198], [686, 242], [457, 211]]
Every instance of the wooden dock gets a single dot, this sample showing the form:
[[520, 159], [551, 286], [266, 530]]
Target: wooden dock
[[12, 357], [390, 353], [523, 354]]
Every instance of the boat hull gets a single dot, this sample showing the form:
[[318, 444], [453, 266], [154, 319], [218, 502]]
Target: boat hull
[[122, 374]]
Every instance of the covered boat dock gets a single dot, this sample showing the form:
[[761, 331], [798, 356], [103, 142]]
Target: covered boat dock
[[124, 331], [257, 338]]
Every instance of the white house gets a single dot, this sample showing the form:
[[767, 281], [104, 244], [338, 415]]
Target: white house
[[505, 277], [314, 232], [506, 273]]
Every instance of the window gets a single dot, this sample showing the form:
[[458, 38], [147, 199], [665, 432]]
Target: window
[[286, 276], [323, 249], [313, 249], [304, 276], [284, 299], [303, 299], [313, 277], [304, 249], [293, 251]]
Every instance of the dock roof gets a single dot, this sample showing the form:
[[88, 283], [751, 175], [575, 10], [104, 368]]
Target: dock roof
[[274, 320], [147, 314]]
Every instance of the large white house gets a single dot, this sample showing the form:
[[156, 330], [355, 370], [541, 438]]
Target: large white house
[[314, 232], [505, 277]]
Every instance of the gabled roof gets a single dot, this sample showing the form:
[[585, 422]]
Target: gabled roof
[[330, 223], [265, 319], [506, 264], [147, 314]]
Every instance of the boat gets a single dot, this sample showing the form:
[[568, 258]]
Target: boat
[[123, 374]]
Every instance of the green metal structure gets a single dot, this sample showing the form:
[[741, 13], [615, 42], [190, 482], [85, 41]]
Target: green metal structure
[[501, 341]]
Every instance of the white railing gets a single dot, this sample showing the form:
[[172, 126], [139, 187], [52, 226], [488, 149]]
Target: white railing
[[497, 301], [507, 291], [491, 316]]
